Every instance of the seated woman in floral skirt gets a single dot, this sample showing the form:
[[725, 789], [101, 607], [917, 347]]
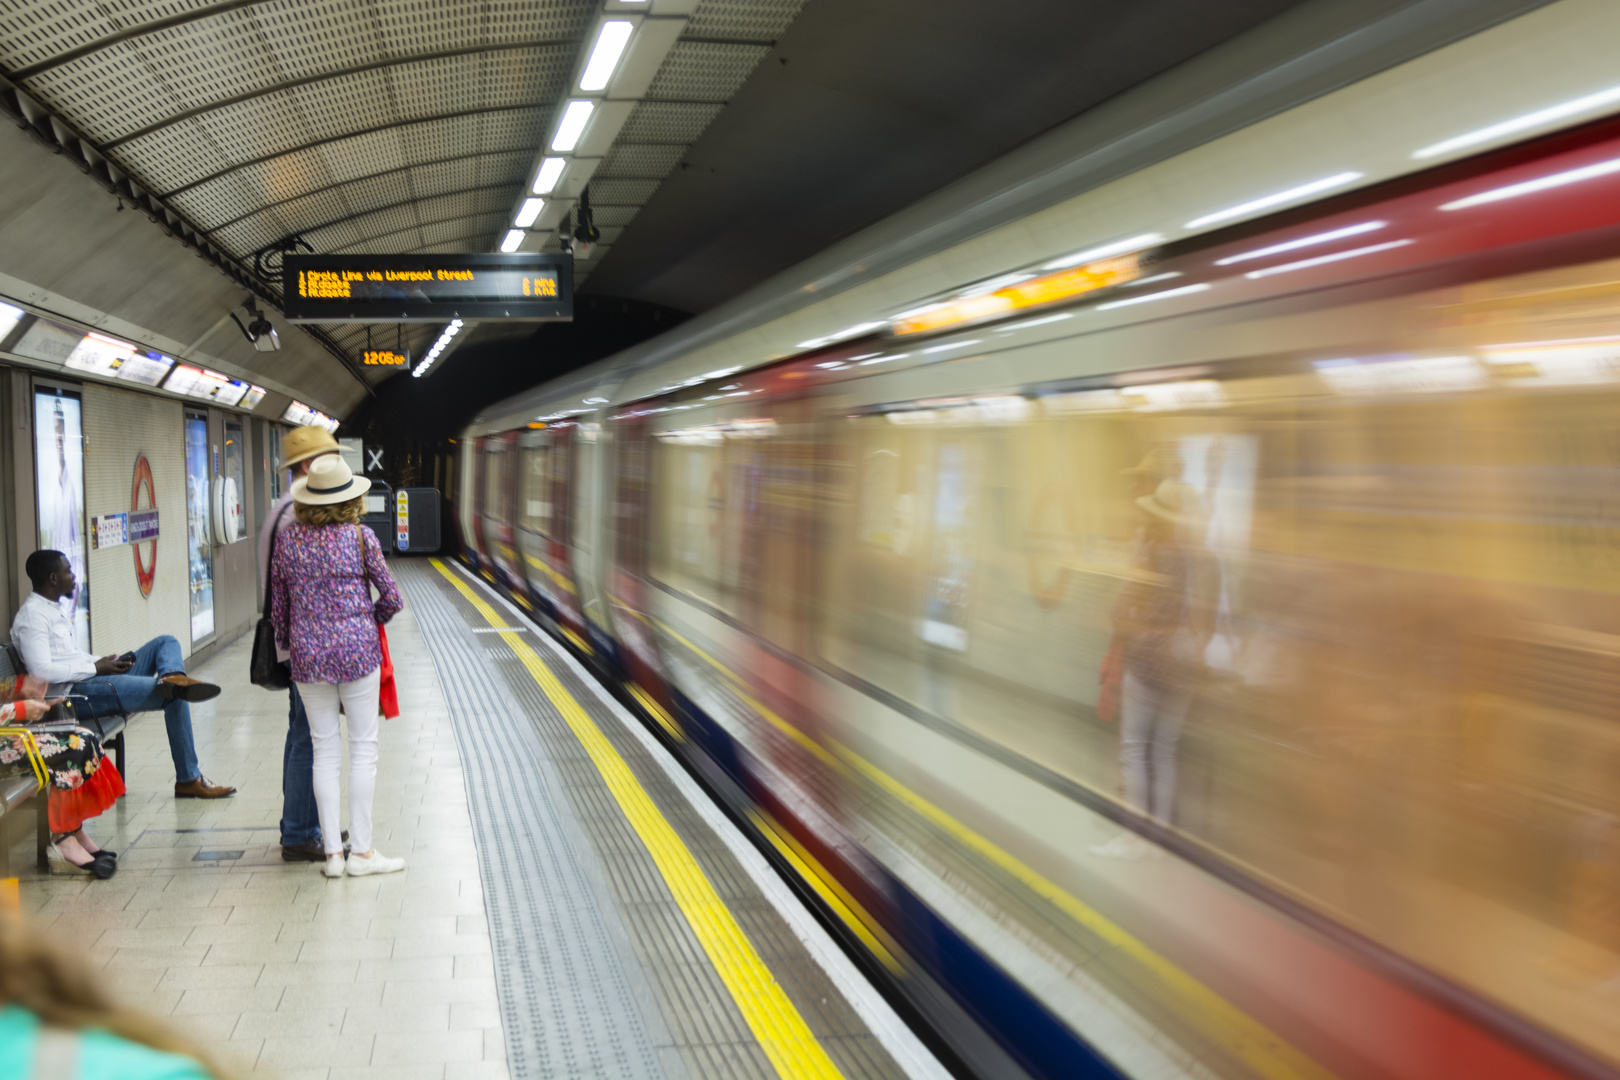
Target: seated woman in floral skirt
[[83, 781]]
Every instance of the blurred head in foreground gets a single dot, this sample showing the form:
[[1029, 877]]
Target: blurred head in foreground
[[56, 1017]]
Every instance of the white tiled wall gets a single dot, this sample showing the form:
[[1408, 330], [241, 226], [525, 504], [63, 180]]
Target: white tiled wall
[[119, 426]]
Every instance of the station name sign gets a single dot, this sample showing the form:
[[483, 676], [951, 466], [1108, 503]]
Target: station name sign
[[427, 288]]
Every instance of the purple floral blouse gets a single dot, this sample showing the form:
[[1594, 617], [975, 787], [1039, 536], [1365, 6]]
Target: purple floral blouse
[[319, 603]]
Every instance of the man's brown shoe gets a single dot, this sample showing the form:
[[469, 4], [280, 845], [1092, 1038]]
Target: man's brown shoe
[[185, 688], [200, 788]]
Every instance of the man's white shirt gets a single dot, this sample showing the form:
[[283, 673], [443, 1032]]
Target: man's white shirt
[[44, 634]]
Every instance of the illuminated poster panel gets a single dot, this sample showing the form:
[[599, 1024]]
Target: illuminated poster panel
[[199, 542], [46, 340], [146, 368], [59, 481], [428, 288], [206, 385]]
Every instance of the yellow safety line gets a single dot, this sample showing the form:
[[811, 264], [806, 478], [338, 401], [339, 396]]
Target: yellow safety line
[[556, 578], [1245, 1037], [657, 711], [1242, 1035], [826, 886], [781, 1031]]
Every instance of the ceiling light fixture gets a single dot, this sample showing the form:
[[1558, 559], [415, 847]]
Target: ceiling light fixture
[[575, 117], [1327, 183], [1322, 260], [1118, 247], [1589, 103], [847, 332], [1185, 290], [550, 172], [1028, 323], [1531, 187], [610, 44], [528, 212], [445, 336], [1168, 275], [514, 237], [1304, 241], [952, 345]]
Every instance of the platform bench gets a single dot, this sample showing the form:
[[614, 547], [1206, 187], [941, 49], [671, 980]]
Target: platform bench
[[19, 789]]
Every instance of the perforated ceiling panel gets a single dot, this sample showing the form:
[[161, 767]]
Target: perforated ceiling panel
[[361, 125]]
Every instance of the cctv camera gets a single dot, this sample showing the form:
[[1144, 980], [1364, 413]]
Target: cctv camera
[[258, 330]]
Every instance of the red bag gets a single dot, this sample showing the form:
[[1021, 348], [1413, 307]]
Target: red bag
[[387, 693], [1110, 680]]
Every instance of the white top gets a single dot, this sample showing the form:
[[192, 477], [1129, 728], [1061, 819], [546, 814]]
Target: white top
[[44, 634]]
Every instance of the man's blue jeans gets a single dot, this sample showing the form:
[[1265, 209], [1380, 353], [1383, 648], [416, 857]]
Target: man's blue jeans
[[300, 822], [136, 691]]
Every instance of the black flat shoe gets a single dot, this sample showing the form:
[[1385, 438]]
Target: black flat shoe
[[103, 853], [102, 868]]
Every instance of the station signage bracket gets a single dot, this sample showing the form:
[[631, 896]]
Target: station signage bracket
[[517, 287]]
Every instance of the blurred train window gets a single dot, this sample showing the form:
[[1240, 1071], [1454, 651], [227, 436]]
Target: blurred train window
[[535, 498], [695, 524]]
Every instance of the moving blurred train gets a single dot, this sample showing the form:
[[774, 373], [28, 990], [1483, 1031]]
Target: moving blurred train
[[1171, 632]]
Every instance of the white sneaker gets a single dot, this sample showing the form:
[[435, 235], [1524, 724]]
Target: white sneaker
[[378, 863], [334, 866]]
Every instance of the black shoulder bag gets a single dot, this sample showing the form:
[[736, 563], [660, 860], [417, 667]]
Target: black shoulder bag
[[267, 670]]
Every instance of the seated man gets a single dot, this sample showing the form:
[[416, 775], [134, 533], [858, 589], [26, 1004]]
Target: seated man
[[154, 679]]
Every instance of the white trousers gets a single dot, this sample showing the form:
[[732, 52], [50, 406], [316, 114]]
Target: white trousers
[[359, 700], [1149, 725]]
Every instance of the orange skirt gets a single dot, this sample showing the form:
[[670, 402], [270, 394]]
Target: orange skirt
[[72, 808]]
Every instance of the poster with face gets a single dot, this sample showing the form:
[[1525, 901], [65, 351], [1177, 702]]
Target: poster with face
[[59, 485]]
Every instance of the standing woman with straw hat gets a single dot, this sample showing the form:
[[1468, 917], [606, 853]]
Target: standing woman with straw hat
[[321, 607]]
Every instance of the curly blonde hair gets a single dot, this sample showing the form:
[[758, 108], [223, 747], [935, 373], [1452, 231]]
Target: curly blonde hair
[[343, 513]]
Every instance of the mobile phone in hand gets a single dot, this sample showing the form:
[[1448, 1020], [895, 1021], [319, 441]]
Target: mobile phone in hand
[[126, 658]]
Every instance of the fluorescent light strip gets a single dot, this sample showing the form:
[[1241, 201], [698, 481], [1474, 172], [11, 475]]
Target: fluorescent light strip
[[1165, 295], [848, 332], [1304, 241], [1522, 123], [1531, 187], [528, 212], [952, 345], [439, 346], [1139, 282], [610, 43], [1323, 260], [1118, 247], [514, 237], [1027, 323], [575, 117], [550, 172], [1327, 183]]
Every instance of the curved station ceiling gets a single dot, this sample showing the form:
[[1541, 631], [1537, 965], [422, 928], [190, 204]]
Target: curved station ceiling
[[370, 127], [352, 127]]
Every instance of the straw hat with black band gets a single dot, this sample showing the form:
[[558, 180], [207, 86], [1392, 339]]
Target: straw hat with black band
[[329, 481], [303, 443]]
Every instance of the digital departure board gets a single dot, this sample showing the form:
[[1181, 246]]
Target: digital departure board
[[427, 288], [385, 358]]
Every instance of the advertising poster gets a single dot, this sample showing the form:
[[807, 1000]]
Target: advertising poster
[[199, 546], [59, 477]]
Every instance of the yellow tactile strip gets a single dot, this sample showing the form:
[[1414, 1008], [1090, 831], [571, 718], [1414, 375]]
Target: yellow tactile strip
[[782, 1033]]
